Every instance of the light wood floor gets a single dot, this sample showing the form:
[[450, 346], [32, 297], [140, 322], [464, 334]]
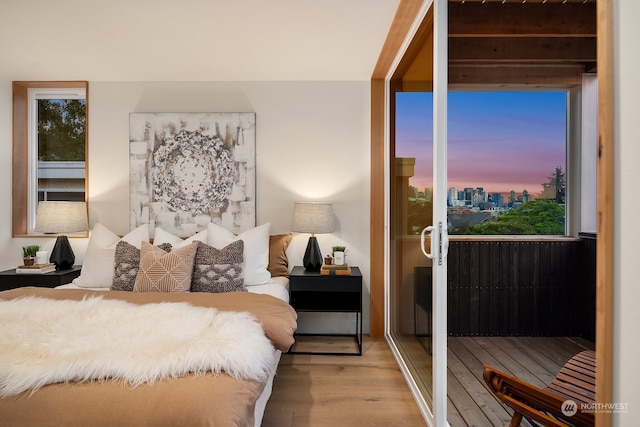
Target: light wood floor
[[313, 390], [367, 390]]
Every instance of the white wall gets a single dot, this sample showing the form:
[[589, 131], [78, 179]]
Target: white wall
[[312, 143], [307, 82], [626, 386]]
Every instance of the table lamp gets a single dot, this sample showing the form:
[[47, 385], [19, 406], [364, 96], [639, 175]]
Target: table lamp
[[314, 218], [61, 218]]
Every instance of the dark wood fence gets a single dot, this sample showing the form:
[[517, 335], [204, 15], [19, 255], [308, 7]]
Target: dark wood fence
[[521, 288]]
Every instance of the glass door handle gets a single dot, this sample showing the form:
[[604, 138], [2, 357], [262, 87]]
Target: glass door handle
[[426, 230], [439, 242]]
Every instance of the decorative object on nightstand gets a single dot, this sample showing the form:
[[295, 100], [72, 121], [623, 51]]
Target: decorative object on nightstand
[[314, 218], [42, 257], [61, 218], [29, 254], [338, 254], [36, 268], [335, 270]]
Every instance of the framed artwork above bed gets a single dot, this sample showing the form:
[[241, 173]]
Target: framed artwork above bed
[[189, 169]]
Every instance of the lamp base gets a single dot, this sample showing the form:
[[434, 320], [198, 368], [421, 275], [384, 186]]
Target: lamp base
[[62, 254], [312, 259]]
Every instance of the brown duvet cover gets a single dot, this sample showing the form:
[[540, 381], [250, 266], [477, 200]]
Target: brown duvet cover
[[204, 400]]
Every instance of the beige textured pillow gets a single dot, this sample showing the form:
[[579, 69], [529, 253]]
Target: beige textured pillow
[[278, 261], [162, 271], [127, 264]]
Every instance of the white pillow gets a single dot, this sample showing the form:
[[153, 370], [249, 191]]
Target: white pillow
[[256, 250], [99, 260], [176, 242]]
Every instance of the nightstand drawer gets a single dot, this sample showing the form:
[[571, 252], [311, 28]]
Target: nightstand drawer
[[326, 301], [326, 284]]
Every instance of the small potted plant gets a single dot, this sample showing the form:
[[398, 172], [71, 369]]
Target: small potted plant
[[29, 254], [338, 254]]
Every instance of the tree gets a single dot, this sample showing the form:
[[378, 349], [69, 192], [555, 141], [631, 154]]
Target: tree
[[61, 129], [536, 217], [556, 186]]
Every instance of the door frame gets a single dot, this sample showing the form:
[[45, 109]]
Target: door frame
[[436, 415], [406, 14]]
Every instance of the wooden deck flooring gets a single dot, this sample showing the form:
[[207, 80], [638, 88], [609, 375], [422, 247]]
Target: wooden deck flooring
[[536, 360], [313, 390]]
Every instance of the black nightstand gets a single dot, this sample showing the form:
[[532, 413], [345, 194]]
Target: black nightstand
[[313, 292], [9, 279]]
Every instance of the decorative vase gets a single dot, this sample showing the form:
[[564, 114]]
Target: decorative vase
[[338, 258], [29, 260]]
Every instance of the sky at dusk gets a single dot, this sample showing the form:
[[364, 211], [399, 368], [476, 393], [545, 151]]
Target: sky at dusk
[[500, 141]]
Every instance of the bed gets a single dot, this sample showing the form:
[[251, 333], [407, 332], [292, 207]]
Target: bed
[[195, 399]]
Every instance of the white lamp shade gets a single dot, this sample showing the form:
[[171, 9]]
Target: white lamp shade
[[313, 217], [61, 217]]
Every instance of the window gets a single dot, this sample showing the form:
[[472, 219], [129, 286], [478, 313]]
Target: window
[[507, 157], [49, 147]]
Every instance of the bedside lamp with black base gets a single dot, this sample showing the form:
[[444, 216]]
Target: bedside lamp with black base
[[314, 218], [61, 218]]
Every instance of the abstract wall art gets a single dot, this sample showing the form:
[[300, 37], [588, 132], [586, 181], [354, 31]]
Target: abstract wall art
[[189, 169]]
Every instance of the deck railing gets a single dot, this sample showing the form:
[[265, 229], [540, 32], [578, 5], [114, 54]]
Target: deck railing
[[520, 288]]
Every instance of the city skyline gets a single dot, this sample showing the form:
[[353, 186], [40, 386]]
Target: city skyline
[[500, 141]]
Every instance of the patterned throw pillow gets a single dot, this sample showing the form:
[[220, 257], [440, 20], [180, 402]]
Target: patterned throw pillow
[[165, 272], [127, 264], [256, 250], [219, 270]]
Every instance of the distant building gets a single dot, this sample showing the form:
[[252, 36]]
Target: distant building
[[428, 194], [452, 196], [486, 206], [497, 199]]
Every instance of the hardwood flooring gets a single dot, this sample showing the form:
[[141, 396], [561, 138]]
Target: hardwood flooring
[[313, 390], [367, 390]]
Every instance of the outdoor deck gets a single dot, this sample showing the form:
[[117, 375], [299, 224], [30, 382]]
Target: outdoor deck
[[536, 360]]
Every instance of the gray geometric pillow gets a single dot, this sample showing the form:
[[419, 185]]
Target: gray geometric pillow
[[219, 270], [127, 264]]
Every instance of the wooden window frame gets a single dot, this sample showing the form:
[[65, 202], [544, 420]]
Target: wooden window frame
[[20, 172]]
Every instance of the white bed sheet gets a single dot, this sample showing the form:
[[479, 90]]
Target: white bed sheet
[[277, 287]]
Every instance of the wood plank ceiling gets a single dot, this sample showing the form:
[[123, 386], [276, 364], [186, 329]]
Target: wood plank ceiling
[[511, 42]]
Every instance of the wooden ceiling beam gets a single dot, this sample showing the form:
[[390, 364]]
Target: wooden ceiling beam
[[546, 75], [471, 19], [501, 49]]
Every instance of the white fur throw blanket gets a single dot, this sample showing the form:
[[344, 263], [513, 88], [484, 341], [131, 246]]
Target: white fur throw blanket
[[44, 341]]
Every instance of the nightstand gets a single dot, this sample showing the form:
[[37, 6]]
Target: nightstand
[[313, 292], [9, 279]]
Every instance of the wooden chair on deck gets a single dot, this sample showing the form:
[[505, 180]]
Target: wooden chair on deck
[[575, 382]]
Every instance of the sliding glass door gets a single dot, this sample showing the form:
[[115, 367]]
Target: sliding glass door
[[411, 212], [417, 221]]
